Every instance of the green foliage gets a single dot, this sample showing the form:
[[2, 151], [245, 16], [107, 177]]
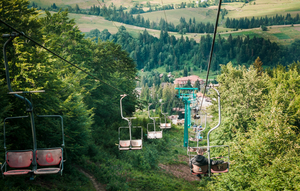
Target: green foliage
[[265, 140], [258, 66]]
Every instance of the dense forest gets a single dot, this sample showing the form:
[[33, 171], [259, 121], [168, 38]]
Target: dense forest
[[150, 52], [260, 107]]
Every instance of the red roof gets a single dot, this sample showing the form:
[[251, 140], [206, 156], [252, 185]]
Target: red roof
[[183, 80]]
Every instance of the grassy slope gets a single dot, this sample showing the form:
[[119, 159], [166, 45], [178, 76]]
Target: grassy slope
[[89, 3], [167, 151], [173, 16], [72, 179], [261, 8]]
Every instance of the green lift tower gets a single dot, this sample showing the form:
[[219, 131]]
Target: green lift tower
[[187, 96]]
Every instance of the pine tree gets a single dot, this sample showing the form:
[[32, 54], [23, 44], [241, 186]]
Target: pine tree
[[258, 66]]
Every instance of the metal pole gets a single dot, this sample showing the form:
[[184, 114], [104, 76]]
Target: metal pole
[[186, 121], [153, 119], [30, 110], [129, 122], [164, 114]]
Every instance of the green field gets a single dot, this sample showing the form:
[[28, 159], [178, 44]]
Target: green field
[[89, 22], [281, 36], [241, 33], [263, 8], [88, 3], [173, 16]]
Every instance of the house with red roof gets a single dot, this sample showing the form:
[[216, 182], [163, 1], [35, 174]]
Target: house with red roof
[[184, 80]]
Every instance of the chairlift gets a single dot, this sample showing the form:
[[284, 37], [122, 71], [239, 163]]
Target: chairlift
[[197, 129], [214, 170], [211, 170], [164, 125], [131, 144], [153, 134], [31, 161]]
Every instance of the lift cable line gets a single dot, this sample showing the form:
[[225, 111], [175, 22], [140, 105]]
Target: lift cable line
[[23, 34], [211, 51]]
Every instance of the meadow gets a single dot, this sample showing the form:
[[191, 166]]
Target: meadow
[[261, 8], [280, 34], [201, 15], [88, 3]]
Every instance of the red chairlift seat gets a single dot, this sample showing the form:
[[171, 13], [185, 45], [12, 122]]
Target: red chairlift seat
[[136, 144], [49, 157], [18, 159], [124, 145], [133, 144], [165, 125]]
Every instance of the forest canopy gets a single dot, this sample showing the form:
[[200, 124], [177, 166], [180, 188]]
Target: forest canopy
[[260, 106]]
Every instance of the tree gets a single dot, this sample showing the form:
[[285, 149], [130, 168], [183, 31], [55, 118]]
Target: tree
[[263, 28], [77, 9], [188, 84], [197, 85], [185, 72], [258, 66], [273, 135]]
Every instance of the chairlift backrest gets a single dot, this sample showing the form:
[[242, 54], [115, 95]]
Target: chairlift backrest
[[49, 157], [136, 143], [19, 159], [200, 169], [124, 143], [220, 167]]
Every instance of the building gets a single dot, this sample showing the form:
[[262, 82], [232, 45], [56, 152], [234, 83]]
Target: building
[[184, 80]]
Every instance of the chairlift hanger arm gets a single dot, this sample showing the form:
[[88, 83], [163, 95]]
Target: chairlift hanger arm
[[12, 36], [122, 97], [208, 143]]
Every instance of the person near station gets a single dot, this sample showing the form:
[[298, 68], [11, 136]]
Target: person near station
[[200, 160]]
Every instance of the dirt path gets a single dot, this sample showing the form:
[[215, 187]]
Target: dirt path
[[97, 185], [180, 170]]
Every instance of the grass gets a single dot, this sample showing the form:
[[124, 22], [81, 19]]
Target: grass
[[139, 170], [285, 36], [88, 3], [281, 36], [260, 9], [263, 8], [241, 33], [201, 15], [71, 180]]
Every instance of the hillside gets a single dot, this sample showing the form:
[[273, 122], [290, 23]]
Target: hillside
[[284, 36], [259, 83]]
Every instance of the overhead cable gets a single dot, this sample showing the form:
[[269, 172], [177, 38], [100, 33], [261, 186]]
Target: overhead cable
[[211, 51], [22, 33]]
